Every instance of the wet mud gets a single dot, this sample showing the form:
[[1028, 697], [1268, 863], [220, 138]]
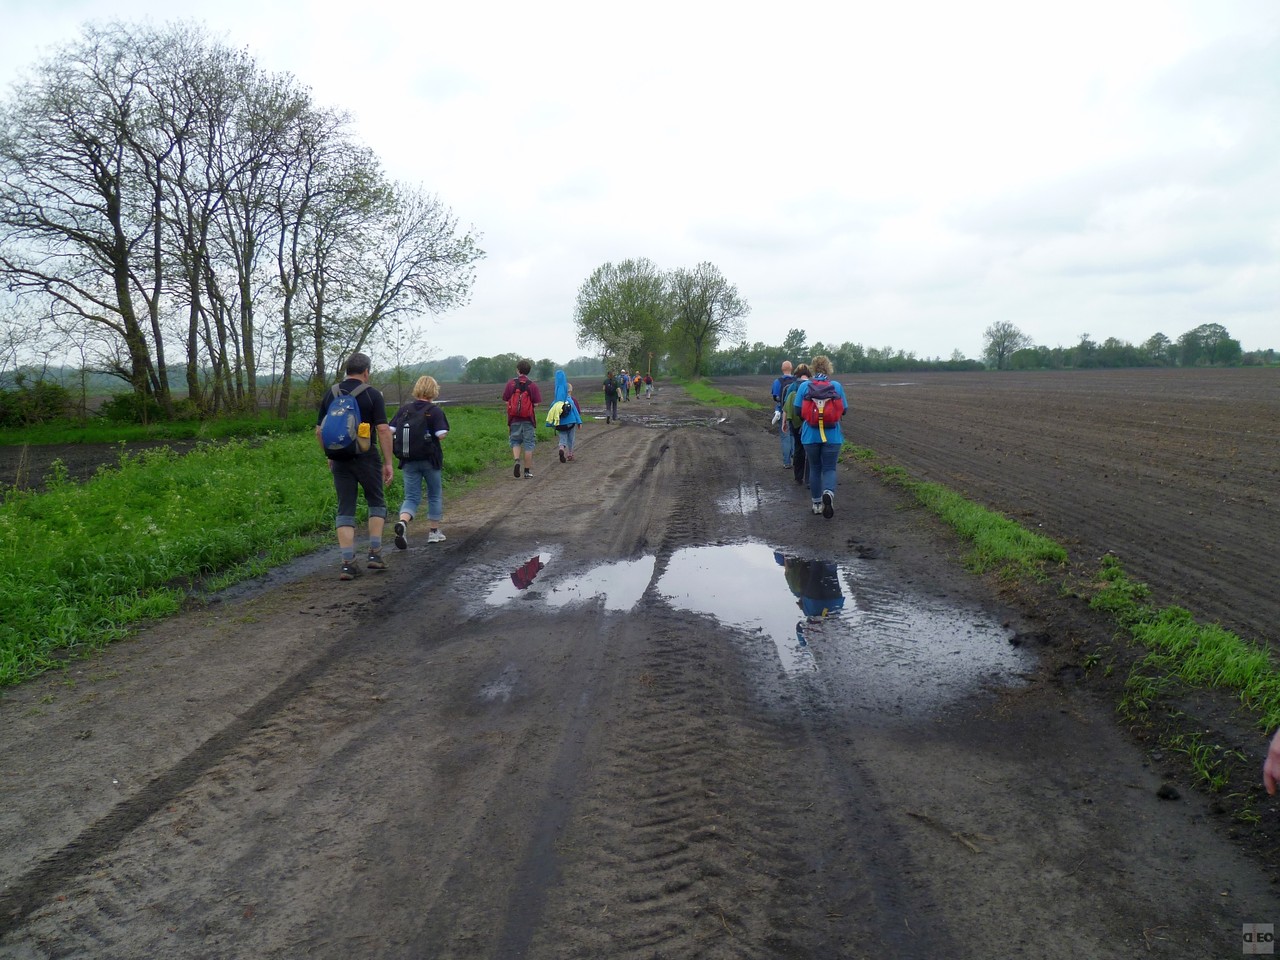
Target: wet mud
[[673, 715]]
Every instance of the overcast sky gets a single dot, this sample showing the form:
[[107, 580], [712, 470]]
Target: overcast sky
[[894, 174]]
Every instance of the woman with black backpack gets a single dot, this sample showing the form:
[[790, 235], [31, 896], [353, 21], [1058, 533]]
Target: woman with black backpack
[[417, 429]]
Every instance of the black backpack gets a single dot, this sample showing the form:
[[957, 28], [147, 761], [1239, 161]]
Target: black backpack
[[411, 436]]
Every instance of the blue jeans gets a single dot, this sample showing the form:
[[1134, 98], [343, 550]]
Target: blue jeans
[[822, 459], [566, 438], [415, 473], [786, 442]]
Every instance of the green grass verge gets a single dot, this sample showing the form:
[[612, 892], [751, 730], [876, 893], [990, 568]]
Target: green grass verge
[[703, 392], [82, 563], [998, 543]]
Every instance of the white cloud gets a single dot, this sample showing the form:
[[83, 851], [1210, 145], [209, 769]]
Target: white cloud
[[894, 174]]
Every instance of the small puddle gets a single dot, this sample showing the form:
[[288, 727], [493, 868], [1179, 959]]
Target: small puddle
[[620, 584]]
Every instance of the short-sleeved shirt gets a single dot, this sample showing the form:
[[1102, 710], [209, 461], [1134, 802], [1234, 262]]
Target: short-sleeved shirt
[[373, 409], [534, 394]]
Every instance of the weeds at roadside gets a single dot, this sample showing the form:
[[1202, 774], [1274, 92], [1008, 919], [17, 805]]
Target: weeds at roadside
[[133, 542]]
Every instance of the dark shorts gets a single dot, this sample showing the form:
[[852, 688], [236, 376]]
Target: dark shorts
[[349, 478]]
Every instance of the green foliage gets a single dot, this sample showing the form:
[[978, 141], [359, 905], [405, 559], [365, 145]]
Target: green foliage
[[703, 392], [82, 563], [34, 403]]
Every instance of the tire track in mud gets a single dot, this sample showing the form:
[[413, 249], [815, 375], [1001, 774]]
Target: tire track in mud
[[34, 888], [711, 828]]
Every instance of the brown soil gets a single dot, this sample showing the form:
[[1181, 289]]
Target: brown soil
[[402, 767]]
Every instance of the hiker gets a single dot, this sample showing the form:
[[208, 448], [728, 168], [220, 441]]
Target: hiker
[[822, 440], [563, 416], [784, 429], [639, 380], [359, 469], [611, 389], [626, 385], [426, 419], [521, 396], [648, 386], [791, 417], [1271, 769]]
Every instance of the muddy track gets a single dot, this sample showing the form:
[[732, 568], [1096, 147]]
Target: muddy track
[[584, 726]]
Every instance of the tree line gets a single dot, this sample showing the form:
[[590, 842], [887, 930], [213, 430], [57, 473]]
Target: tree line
[[182, 219], [1210, 344]]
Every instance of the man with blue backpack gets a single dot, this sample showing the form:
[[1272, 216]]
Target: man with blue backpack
[[350, 413]]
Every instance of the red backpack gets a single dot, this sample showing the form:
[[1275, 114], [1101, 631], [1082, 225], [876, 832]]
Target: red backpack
[[821, 406], [520, 404]]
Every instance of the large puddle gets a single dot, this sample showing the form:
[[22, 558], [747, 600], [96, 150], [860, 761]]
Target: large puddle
[[834, 623]]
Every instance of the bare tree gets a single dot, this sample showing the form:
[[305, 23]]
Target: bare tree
[[1003, 340], [707, 310]]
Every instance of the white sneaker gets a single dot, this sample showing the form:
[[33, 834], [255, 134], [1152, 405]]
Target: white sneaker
[[436, 536], [817, 508], [828, 504]]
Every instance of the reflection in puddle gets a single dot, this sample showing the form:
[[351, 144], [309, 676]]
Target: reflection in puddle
[[739, 585], [619, 584], [874, 644], [867, 641], [743, 500]]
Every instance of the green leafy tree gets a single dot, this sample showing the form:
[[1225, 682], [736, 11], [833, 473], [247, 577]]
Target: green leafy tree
[[623, 312], [1208, 345]]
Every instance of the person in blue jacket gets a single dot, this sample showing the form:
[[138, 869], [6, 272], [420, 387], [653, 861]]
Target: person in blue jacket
[[564, 416], [821, 444]]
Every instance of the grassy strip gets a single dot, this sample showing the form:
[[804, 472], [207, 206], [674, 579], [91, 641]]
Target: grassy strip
[[1196, 653], [82, 563], [1180, 649], [703, 392], [998, 542]]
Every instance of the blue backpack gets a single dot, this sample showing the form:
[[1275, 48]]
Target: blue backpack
[[342, 433]]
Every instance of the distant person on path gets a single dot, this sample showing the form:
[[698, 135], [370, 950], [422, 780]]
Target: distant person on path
[[563, 416], [522, 396], [428, 470], [638, 383], [791, 416], [362, 470], [1271, 769], [822, 440], [784, 429], [648, 386], [611, 390], [626, 385]]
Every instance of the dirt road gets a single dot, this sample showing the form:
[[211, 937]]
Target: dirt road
[[609, 718]]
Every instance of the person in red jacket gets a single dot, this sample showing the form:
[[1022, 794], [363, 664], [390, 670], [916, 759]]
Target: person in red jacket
[[522, 396]]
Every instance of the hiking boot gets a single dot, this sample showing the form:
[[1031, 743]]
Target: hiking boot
[[817, 507], [375, 561], [828, 504], [562, 454], [402, 541], [350, 570], [528, 474], [516, 470], [436, 536]]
